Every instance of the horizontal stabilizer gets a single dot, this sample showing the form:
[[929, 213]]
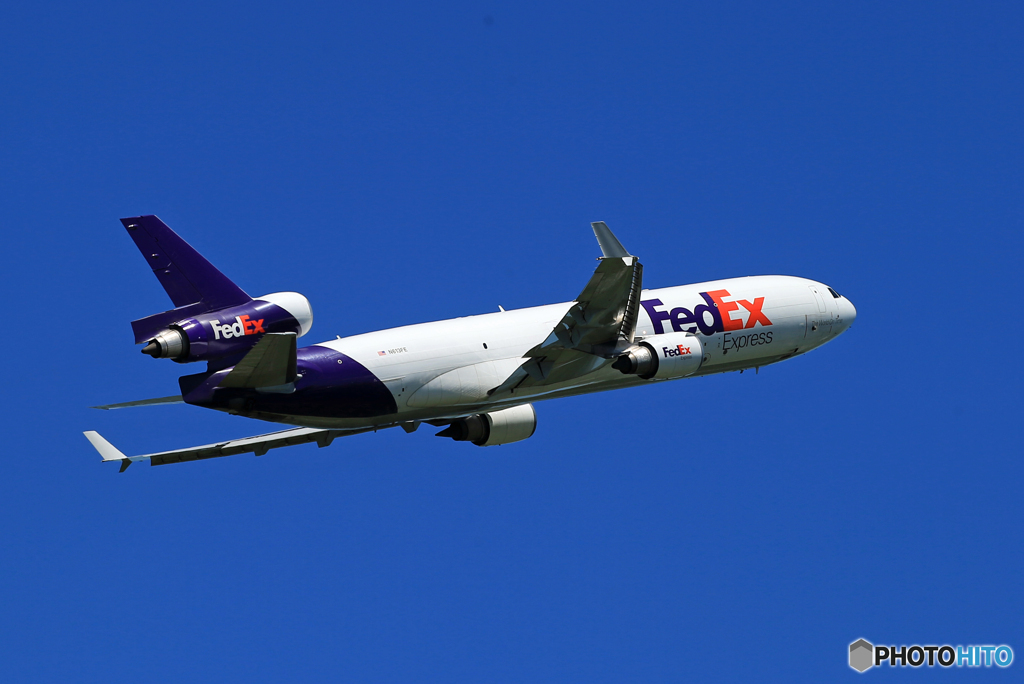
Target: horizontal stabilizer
[[159, 401], [258, 445], [271, 363], [149, 327]]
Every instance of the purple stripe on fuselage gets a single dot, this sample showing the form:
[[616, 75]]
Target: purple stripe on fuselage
[[331, 385]]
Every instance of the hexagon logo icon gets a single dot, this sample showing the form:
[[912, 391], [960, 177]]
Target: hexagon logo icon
[[862, 655]]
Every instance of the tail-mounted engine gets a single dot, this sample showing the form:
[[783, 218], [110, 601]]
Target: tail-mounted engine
[[664, 357], [232, 330], [497, 427]]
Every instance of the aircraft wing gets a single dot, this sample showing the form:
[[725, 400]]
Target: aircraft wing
[[159, 401], [597, 327], [259, 445]]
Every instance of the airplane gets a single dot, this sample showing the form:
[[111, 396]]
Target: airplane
[[476, 377]]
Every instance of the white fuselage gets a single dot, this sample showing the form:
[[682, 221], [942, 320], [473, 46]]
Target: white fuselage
[[444, 369]]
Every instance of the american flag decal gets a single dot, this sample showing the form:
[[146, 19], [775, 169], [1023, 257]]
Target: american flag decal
[[380, 353]]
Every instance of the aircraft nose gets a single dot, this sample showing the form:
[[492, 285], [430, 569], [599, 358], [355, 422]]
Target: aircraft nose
[[847, 312]]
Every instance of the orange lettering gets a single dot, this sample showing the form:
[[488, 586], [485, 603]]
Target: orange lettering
[[724, 309], [755, 312]]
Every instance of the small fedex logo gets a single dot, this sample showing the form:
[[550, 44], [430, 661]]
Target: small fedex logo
[[716, 307], [680, 350], [242, 326]]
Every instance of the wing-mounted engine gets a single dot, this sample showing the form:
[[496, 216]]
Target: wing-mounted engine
[[663, 357], [497, 427], [233, 330]]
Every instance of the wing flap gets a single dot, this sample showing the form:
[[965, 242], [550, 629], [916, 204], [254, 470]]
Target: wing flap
[[606, 309], [258, 445]]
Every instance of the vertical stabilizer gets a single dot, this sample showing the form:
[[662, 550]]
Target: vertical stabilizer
[[185, 275]]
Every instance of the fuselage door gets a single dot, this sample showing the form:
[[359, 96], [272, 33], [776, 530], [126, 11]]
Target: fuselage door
[[820, 325], [818, 299]]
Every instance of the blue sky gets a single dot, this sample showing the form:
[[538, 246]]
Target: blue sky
[[405, 163]]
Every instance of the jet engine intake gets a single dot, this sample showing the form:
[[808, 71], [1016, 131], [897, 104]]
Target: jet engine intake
[[674, 355], [497, 427]]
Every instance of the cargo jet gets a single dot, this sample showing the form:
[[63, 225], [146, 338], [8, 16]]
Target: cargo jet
[[476, 377]]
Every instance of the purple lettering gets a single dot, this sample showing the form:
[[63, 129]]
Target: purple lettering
[[681, 317], [701, 309], [657, 317]]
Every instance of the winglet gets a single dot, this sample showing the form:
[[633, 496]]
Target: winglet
[[610, 245], [107, 450]]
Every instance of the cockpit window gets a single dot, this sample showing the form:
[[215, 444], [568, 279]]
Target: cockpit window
[[834, 293]]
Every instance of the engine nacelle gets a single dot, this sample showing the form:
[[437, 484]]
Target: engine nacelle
[[229, 331], [497, 427], [665, 357]]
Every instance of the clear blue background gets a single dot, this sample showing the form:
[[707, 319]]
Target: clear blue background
[[405, 163]]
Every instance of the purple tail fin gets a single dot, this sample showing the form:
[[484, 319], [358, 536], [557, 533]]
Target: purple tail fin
[[193, 283], [186, 276]]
